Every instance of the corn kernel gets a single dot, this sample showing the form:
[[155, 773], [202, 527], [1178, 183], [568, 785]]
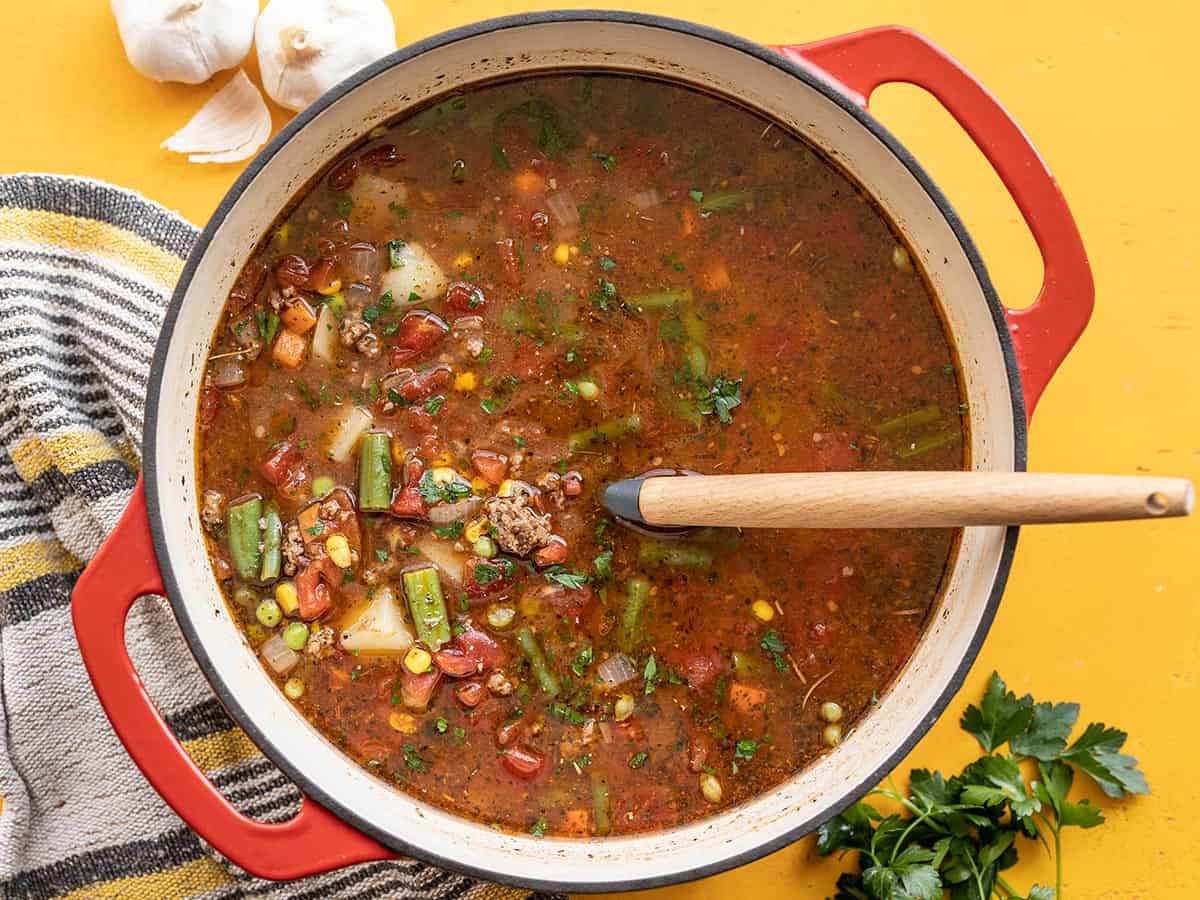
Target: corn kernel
[[624, 707], [476, 529], [443, 475], [293, 688], [338, 549], [330, 289], [710, 787], [562, 254], [506, 489], [285, 596], [479, 486], [403, 723], [417, 661], [763, 611], [465, 381], [529, 605], [464, 260]]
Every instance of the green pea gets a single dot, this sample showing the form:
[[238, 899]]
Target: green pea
[[485, 547], [268, 613], [296, 635], [322, 485], [245, 596]]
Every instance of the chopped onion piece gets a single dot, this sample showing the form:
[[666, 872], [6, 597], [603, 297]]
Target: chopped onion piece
[[380, 629], [563, 207], [228, 373], [228, 128], [445, 513], [347, 432], [646, 199], [615, 670], [278, 655]]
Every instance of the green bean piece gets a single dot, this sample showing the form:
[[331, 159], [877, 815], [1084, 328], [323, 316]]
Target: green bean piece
[[537, 661], [697, 361], [693, 325], [928, 443], [423, 590], [723, 200], [242, 519], [272, 546], [682, 555], [660, 299], [375, 471], [918, 418], [605, 431], [637, 593], [600, 804]]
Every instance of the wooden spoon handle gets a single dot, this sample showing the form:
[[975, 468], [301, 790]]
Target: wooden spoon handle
[[908, 499]]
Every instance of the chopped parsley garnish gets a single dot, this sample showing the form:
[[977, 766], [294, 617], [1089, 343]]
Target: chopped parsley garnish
[[432, 491], [397, 398], [719, 397], [395, 254], [499, 157], [697, 195], [774, 645], [385, 300], [582, 660], [538, 828], [433, 404], [486, 573], [399, 210], [381, 554], [440, 725], [412, 758], [268, 324], [489, 405], [485, 355], [745, 749], [650, 674], [607, 263], [603, 564], [607, 160], [638, 759], [558, 574], [452, 531], [567, 713]]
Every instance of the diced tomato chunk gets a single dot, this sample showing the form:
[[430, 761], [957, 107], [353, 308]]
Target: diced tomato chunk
[[699, 667], [491, 466], [480, 648], [321, 278], [422, 385], [466, 298], [470, 694], [210, 405], [284, 468], [417, 690], [314, 592], [553, 553], [524, 764], [420, 421], [486, 577], [420, 331], [453, 662], [408, 501]]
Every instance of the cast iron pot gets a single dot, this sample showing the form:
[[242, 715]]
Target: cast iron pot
[[819, 90]]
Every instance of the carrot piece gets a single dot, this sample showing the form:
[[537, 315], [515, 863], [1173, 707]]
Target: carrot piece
[[746, 698], [290, 349], [529, 182], [577, 822], [689, 219], [299, 317], [715, 276]]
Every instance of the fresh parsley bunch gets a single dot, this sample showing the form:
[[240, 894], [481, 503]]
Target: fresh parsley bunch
[[959, 834]]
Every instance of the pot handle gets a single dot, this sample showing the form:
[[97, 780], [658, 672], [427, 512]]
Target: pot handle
[[1043, 333], [124, 569]]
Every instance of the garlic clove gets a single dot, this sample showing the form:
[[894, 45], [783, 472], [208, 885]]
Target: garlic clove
[[185, 40], [228, 128], [306, 47]]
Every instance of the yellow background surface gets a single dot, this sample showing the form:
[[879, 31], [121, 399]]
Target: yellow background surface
[[1103, 614]]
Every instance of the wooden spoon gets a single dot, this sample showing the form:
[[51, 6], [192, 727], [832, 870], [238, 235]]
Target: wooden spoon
[[894, 499]]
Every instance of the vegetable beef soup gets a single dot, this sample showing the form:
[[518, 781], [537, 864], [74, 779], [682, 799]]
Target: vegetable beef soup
[[465, 328]]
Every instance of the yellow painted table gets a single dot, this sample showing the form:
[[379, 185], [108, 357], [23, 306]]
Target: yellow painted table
[[1103, 614]]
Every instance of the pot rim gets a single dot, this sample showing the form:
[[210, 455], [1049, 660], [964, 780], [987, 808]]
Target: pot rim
[[214, 224]]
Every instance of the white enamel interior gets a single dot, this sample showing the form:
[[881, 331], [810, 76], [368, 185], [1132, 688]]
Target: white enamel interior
[[654, 858]]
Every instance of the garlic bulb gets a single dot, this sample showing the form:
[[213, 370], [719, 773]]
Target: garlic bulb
[[185, 40], [228, 128], [306, 47]]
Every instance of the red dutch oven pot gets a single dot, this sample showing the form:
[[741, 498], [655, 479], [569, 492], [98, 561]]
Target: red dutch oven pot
[[819, 90]]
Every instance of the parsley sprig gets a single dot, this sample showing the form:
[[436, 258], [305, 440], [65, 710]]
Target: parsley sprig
[[959, 834], [718, 397]]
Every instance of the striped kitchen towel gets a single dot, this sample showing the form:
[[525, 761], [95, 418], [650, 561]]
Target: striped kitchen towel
[[85, 272]]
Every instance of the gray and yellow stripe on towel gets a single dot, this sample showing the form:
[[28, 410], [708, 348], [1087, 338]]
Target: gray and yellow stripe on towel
[[85, 272]]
